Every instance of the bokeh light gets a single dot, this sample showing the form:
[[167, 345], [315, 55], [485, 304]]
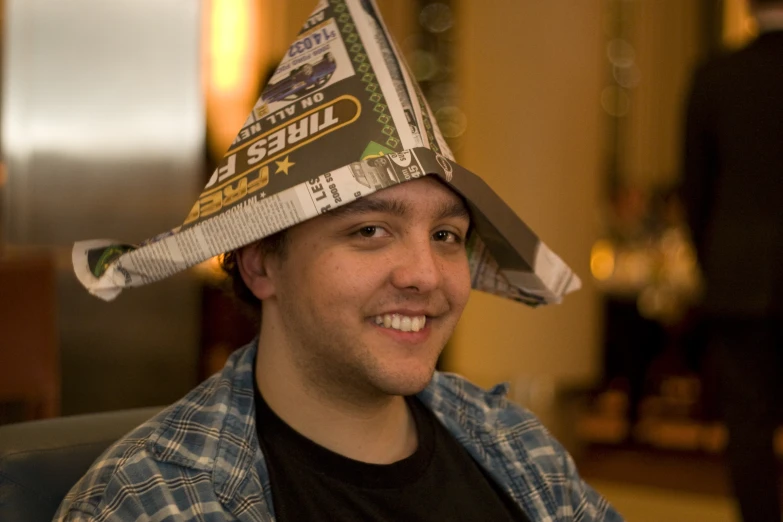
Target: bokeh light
[[424, 64], [436, 17], [615, 101], [620, 53], [602, 260], [452, 121]]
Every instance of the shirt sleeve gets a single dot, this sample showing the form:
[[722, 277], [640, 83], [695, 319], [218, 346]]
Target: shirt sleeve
[[553, 485], [73, 516], [137, 491]]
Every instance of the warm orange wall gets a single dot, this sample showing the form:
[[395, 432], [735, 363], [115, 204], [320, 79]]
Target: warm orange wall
[[667, 43], [531, 73], [399, 15], [738, 24]]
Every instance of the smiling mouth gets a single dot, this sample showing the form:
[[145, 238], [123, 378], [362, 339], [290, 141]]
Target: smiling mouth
[[403, 323]]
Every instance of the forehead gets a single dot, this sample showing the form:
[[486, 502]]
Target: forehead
[[421, 198]]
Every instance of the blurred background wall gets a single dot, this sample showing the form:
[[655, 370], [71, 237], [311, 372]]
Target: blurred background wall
[[113, 114], [529, 92], [102, 133], [569, 106]]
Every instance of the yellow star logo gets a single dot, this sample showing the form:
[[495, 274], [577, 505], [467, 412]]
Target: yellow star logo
[[283, 166]]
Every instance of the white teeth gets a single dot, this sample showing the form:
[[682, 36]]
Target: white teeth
[[416, 324], [401, 322], [405, 324]]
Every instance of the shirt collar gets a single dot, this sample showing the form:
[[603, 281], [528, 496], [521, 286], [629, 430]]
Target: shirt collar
[[457, 400], [213, 427]]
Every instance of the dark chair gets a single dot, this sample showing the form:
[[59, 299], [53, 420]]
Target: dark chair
[[41, 460]]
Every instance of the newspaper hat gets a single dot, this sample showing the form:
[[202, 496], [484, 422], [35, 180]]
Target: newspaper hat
[[340, 118]]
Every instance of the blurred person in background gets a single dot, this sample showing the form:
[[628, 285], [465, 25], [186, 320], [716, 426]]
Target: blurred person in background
[[733, 194]]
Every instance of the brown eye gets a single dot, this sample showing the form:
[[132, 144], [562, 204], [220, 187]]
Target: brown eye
[[367, 231], [372, 232], [446, 236]]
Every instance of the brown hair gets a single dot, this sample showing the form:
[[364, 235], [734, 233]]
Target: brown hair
[[274, 244]]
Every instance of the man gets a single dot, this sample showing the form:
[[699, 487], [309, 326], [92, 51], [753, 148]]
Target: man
[[349, 423], [732, 191], [335, 411]]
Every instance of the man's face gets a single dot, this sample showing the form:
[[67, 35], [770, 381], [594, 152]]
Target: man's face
[[351, 282]]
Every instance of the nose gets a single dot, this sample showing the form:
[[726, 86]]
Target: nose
[[417, 266]]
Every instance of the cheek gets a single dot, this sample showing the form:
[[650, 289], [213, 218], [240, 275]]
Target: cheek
[[457, 283], [339, 279]]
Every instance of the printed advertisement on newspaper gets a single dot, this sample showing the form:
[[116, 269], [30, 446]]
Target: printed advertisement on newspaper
[[340, 118]]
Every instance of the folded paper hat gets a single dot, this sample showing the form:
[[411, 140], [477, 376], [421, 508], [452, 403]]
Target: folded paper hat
[[340, 118]]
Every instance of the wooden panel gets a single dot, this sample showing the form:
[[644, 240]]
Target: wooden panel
[[29, 351]]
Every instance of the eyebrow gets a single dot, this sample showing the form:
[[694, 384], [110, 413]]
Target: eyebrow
[[454, 209], [367, 206], [395, 207]]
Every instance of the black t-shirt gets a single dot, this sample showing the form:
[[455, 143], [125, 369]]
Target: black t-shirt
[[440, 481]]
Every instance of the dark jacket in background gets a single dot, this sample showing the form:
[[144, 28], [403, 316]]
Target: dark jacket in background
[[733, 185]]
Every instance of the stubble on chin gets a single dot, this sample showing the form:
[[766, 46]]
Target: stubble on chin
[[362, 378]]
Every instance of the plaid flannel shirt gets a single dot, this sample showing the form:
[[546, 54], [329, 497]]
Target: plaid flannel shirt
[[200, 459]]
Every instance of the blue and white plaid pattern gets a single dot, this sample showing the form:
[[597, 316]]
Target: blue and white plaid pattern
[[199, 459]]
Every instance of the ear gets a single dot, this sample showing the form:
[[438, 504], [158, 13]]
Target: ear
[[253, 264]]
